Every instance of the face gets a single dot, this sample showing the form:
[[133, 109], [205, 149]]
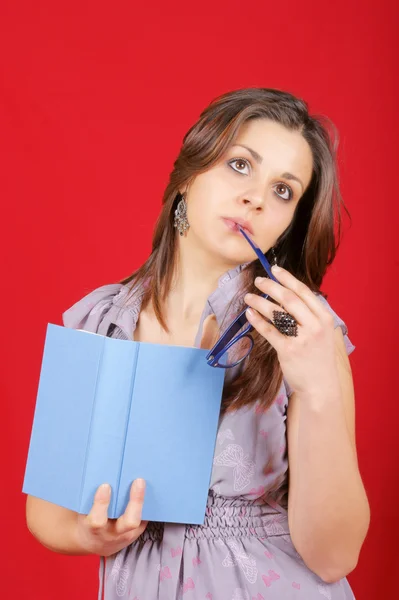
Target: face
[[260, 185]]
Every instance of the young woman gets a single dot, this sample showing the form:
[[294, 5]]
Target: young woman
[[287, 511]]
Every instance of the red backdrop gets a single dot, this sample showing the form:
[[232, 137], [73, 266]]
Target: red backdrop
[[94, 101]]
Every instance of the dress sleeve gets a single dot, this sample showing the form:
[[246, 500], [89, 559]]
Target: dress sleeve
[[338, 322], [94, 311]]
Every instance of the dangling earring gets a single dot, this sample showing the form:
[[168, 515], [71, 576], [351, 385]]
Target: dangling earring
[[181, 221], [274, 257]]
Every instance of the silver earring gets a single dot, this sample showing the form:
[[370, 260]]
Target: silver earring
[[181, 221], [274, 257]]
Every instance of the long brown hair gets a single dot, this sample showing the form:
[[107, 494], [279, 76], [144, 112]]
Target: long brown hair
[[306, 248]]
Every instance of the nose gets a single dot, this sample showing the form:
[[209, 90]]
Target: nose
[[254, 199], [254, 192]]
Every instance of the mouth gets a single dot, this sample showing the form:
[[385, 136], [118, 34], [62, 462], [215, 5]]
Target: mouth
[[235, 224]]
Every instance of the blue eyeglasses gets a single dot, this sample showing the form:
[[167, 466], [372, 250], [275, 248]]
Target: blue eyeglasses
[[236, 342]]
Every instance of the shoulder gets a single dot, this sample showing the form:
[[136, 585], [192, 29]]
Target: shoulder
[[111, 303]]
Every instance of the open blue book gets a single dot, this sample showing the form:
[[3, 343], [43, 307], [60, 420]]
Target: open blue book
[[109, 411]]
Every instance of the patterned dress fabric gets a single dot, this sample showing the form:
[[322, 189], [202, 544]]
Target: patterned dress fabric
[[243, 551]]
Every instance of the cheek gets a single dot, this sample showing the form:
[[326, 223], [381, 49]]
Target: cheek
[[276, 221], [202, 200], [198, 210], [208, 187]]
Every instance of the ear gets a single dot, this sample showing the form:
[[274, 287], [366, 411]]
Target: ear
[[210, 332]]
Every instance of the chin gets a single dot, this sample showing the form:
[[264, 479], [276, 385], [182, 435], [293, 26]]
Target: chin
[[233, 258], [228, 250], [236, 251]]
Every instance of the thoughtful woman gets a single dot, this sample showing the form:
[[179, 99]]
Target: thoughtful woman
[[287, 512]]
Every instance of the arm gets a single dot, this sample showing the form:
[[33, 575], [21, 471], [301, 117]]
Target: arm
[[328, 509], [67, 532], [53, 526]]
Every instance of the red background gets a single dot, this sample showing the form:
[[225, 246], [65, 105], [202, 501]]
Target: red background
[[94, 102]]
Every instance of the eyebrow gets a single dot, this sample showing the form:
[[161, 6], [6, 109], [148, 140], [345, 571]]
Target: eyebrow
[[259, 160]]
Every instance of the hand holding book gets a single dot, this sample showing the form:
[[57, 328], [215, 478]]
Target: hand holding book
[[98, 534]]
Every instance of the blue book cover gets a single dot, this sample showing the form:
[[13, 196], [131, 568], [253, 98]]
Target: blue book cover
[[109, 411]]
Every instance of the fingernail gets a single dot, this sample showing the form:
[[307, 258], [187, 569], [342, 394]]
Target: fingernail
[[139, 484], [276, 269], [105, 491], [259, 280]]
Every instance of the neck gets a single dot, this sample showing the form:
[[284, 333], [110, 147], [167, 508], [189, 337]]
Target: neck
[[196, 277]]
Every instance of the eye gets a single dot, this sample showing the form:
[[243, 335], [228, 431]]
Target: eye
[[286, 194], [286, 190], [240, 161]]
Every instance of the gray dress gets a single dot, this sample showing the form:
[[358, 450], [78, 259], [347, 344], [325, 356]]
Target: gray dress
[[243, 551]]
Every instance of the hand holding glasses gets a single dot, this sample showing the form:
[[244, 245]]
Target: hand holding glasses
[[236, 342]]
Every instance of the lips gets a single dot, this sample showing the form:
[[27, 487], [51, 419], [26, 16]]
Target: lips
[[234, 222]]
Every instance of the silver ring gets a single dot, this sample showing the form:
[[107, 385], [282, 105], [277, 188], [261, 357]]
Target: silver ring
[[285, 323]]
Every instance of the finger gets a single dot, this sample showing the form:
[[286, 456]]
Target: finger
[[210, 332], [131, 518], [296, 308], [286, 298], [266, 329], [300, 289], [263, 306], [98, 516], [140, 529]]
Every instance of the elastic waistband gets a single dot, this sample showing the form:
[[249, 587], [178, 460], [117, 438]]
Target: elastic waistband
[[229, 517]]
